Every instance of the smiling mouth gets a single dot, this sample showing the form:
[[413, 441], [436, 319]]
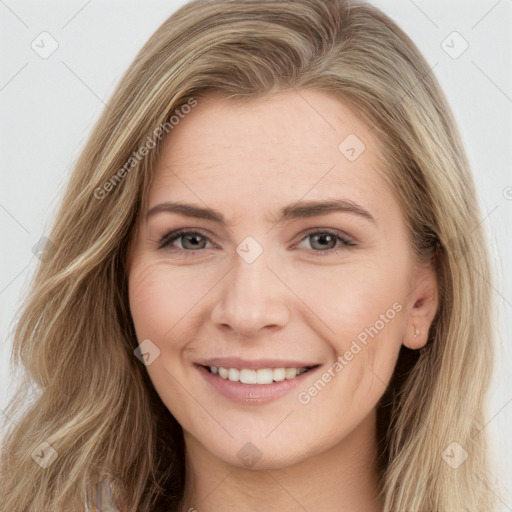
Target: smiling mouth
[[257, 376]]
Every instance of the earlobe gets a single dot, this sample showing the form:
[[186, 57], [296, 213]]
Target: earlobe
[[423, 306], [415, 339]]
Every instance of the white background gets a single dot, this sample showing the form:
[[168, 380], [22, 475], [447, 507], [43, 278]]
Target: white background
[[48, 107]]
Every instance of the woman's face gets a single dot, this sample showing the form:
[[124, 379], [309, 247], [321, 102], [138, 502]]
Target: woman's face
[[295, 256]]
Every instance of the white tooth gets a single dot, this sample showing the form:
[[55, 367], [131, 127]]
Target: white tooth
[[234, 375], [290, 373], [261, 376], [264, 376], [248, 376], [278, 374]]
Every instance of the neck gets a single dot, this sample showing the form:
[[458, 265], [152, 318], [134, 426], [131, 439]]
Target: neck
[[342, 478]]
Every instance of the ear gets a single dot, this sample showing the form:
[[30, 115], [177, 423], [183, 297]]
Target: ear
[[421, 307]]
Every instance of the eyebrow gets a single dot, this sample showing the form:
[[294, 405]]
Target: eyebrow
[[298, 210]]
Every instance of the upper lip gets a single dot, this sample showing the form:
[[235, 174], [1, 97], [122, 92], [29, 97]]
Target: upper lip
[[236, 362]]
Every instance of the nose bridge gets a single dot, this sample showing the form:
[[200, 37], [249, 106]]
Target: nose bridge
[[251, 297]]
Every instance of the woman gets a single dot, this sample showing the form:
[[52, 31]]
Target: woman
[[268, 284]]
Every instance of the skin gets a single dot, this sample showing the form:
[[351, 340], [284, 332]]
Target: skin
[[296, 300]]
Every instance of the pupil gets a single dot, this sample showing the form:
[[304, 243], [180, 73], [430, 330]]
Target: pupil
[[194, 239], [324, 237]]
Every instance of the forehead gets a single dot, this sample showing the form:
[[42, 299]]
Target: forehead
[[282, 147]]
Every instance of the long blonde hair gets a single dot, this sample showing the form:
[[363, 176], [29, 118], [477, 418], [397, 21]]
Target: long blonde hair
[[84, 392]]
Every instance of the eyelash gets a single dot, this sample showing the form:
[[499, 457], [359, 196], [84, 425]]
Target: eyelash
[[169, 238]]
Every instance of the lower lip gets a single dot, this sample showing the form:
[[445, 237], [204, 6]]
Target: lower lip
[[252, 394]]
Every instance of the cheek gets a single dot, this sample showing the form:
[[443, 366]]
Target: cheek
[[345, 299], [149, 296], [160, 308], [160, 297], [360, 310]]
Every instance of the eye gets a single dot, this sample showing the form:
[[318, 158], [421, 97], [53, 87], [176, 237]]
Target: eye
[[326, 241], [321, 241], [190, 241]]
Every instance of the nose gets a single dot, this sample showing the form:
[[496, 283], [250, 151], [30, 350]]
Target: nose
[[251, 299]]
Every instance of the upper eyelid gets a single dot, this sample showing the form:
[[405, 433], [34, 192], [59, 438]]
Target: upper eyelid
[[335, 232], [176, 234]]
